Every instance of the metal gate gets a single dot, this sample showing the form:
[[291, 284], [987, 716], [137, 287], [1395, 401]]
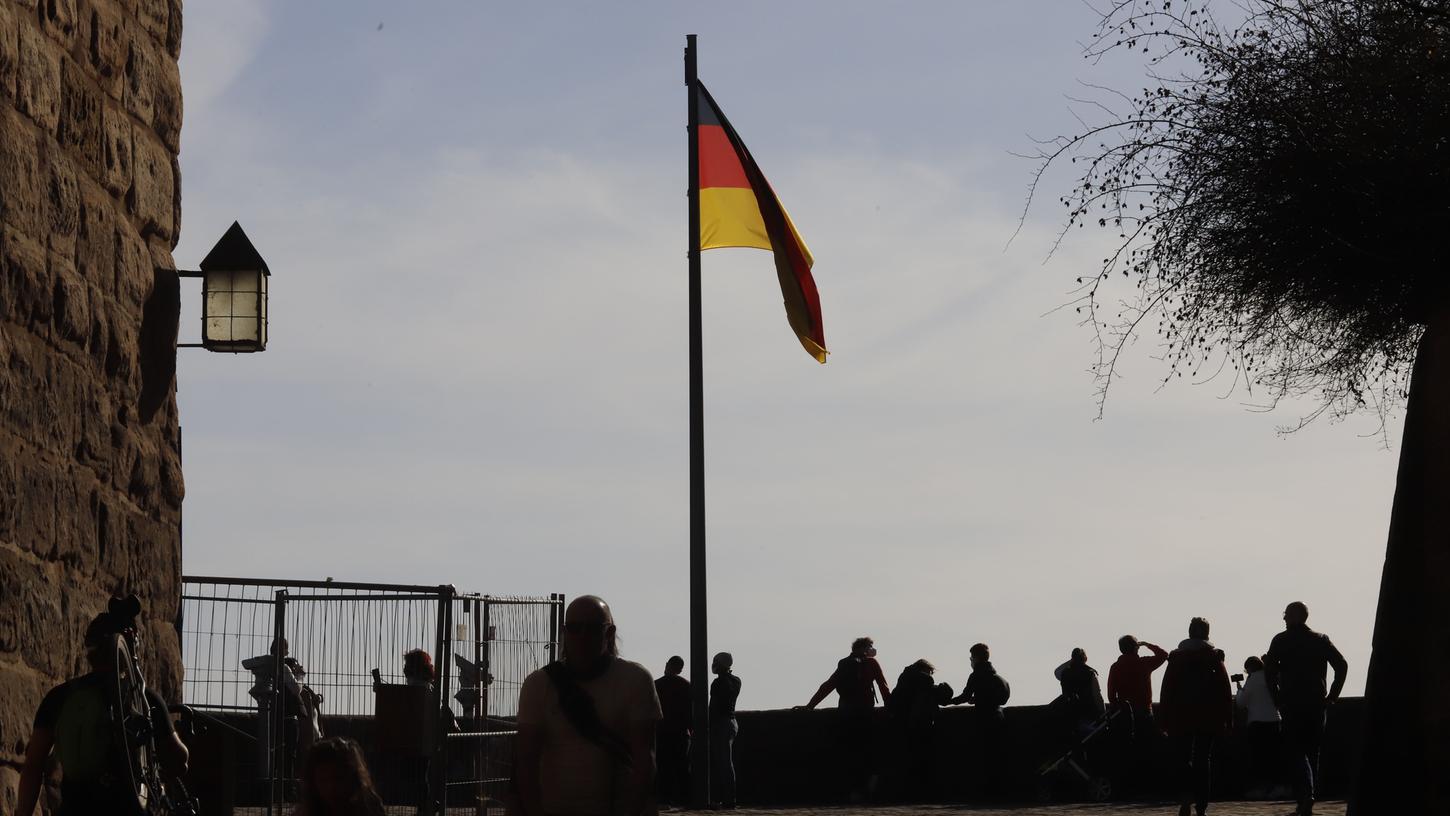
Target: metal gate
[[254, 648]]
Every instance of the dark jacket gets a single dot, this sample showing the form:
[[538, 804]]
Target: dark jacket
[[1083, 692], [913, 703], [1296, 665], [986, 689], [1196, 695], [724, 691], [674, 693]]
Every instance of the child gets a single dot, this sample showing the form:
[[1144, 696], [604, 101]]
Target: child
[[1262, 717], [336, 782]]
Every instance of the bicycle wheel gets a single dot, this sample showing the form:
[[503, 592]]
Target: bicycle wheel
[[134, 732]]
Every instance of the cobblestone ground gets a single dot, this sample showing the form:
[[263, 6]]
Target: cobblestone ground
[[1134, 809]]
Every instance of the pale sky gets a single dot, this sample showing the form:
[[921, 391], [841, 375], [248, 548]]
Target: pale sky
[[475, 219]]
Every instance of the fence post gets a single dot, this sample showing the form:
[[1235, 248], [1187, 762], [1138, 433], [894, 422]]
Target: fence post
[[438, 769], [277, 742], [481, 662], [555, 612]]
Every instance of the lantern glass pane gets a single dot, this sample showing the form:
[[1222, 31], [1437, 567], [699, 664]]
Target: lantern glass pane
[[235, 303], [262, 326]]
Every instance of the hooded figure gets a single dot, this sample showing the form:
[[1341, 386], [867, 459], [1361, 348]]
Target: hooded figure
[[1196, 709]]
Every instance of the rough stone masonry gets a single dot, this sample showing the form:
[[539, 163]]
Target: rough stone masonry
[[90, 449]]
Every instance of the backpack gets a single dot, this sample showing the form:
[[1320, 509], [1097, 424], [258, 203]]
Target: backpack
[[851, 683], [993, 692]]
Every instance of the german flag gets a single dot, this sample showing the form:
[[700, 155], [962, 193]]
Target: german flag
[[738, 208]]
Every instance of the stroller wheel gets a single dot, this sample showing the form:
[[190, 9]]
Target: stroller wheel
[[1100, 788]]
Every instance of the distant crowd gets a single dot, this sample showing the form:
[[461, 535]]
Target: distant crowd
[[597, 734], [1119, 738]]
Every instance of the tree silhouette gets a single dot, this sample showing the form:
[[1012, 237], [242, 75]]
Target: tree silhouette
[[1281, 198]]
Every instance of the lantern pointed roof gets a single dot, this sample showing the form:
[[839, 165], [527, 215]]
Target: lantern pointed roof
[[234, 252]]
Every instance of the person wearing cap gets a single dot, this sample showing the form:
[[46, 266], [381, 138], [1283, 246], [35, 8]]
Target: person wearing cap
[[724, 691], [75, 722]]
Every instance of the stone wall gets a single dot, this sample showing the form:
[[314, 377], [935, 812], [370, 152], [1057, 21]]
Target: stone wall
[[90, 449], [795, 757]]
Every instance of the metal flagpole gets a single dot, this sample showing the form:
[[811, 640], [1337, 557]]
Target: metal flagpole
[[699, 652]]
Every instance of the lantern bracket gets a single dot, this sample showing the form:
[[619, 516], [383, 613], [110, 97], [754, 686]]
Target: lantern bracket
[[185, 273]]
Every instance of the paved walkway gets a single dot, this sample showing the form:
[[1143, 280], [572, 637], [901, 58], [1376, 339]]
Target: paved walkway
[[1135, 809]]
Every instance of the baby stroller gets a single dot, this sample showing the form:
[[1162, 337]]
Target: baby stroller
[[1090, 764]]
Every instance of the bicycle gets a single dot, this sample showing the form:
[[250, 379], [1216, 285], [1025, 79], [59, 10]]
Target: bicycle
[[157, 793]]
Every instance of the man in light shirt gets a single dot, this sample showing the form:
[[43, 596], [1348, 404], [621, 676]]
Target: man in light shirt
[[587, 725], [1256, 701]]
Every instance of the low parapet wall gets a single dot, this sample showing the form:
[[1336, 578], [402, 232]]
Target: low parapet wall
[[794, 756]]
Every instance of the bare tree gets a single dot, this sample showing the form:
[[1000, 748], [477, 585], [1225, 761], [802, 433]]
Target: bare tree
[[1281, 198]]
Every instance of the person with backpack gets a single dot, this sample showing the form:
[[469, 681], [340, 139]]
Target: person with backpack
[[856, 678], [586, 725], [855, 681], [987, 692], [1196, 709]]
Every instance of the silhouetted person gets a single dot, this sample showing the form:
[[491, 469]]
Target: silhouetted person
[[301, 719], [418, 672], [1261, 717], [336, 782], [1197, 709], [855, 680], [587, 725], [75, 720], [987, 692], [672, 736], [1130, 678], [1082, 693], [1130, 688], [1295, 668], [913, 707], [724, 691]]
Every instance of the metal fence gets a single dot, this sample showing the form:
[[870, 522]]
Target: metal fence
[[250, 645]]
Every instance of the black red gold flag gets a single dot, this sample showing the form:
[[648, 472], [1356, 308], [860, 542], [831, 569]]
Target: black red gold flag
[[738, 208]]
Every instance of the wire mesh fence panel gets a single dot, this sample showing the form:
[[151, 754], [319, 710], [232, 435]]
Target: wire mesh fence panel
[[222, 626], [497, 642], [340, 640], [275, 664]]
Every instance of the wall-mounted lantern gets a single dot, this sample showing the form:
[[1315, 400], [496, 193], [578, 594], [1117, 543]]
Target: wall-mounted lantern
[[234, 295]]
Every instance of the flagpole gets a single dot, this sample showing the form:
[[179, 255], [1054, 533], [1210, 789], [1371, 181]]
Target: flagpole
[[699, 651]]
